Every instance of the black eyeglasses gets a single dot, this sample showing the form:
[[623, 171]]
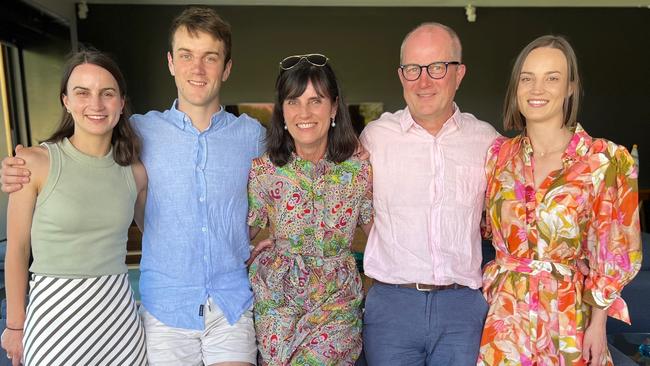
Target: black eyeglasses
[[315, 59], [437, 70]]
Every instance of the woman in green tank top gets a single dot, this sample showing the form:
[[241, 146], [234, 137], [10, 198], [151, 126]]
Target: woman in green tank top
[[86, 186]]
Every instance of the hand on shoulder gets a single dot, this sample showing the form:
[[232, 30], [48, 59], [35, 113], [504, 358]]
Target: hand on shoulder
[[37, 160]]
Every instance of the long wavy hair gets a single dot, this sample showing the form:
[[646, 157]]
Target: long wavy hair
[[292, 83], [125, 141]]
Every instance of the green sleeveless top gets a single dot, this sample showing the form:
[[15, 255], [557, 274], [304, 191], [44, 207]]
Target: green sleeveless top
[[82, 215]]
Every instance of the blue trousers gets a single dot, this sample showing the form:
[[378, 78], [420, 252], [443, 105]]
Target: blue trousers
[[404, 326]]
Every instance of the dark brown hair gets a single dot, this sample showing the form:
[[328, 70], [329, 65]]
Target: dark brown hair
[[125, 142], [512, 117], [205, 20], [341, 140]]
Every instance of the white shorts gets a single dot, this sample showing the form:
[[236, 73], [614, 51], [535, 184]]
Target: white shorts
[[218, 342]]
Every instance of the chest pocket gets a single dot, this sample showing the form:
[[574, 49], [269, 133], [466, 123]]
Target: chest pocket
[[470, 185]]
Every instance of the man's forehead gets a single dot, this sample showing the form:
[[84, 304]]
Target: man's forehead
[[183, 38], [429, 52], [428, 43]]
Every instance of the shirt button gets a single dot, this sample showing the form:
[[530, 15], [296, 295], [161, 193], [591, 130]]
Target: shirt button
[[205, 257], [204, 229], [201, 199]]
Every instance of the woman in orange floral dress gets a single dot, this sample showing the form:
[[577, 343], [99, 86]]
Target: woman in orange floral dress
[[555, 195]]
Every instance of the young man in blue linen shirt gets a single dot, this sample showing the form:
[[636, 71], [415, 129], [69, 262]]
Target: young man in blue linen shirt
[[194, 283]]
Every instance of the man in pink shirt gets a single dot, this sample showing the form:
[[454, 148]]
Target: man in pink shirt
[[424, 250]]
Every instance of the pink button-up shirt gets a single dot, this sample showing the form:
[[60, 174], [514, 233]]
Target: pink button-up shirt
[[428, 194]]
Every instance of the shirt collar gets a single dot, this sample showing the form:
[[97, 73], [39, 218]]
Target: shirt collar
[[578, 145], [182, 120], [406, 121]]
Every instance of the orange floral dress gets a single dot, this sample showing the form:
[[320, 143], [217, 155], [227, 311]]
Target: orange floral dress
[[539, 302]]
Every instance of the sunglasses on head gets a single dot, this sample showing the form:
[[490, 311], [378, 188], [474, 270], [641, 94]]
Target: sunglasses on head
[[315, 59]]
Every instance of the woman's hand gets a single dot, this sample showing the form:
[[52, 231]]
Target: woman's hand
[[594, 344], [12, 342], [259, 248]]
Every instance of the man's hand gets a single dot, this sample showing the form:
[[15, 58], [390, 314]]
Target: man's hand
[[12, 175], [583, 267], [259, 248], [361, 153]]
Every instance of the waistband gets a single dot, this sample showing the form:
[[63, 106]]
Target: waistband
[[562, 271], [283, 248], [423, 287]]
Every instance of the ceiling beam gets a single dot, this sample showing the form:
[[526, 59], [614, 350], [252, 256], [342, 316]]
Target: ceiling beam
[[395, 3]]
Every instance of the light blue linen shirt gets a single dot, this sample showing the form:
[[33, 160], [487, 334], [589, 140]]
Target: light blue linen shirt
[[195, 238]]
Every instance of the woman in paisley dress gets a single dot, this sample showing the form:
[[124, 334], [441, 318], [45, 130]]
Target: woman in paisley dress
[[555, 195], [312, 193]]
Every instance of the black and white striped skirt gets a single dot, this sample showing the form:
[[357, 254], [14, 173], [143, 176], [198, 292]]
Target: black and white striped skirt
[[83, 321]]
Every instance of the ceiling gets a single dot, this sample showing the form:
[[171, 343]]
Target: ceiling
[[461, 3], [65, 9]]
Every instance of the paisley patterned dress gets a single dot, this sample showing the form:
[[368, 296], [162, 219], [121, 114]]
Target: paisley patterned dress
[[539, 303], [307, 288]]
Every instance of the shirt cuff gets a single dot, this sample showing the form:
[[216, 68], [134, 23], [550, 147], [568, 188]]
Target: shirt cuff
[[615, 305]]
